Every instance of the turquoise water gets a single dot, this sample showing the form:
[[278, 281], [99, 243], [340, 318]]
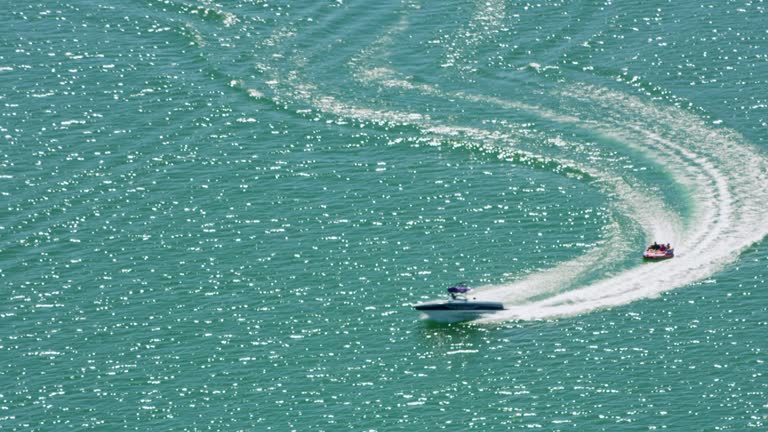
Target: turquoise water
[[215, 216]]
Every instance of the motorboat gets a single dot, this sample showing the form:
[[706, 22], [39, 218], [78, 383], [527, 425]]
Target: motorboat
[[657, 252], [459, 307]]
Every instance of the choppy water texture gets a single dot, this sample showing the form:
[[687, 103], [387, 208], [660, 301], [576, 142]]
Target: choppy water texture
[[215, 216]]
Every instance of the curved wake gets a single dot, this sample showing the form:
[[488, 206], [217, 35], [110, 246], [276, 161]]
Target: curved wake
[[724, 176]]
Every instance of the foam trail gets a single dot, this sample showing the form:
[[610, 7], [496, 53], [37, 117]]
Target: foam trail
[[495, 142], [707, 162], [662, 224], [724, 176], [503, 144], [727, 180], [562, 276], [711, 164]]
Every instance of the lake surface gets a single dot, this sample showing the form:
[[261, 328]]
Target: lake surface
[[217, 215]]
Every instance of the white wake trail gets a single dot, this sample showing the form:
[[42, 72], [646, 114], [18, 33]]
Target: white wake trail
[[722, 174], [634, 204], [727, 180]]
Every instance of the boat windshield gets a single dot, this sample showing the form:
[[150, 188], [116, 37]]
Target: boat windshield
[[459, 291]]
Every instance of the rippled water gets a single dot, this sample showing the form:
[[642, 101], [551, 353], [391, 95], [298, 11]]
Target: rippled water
[[215, 216]]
